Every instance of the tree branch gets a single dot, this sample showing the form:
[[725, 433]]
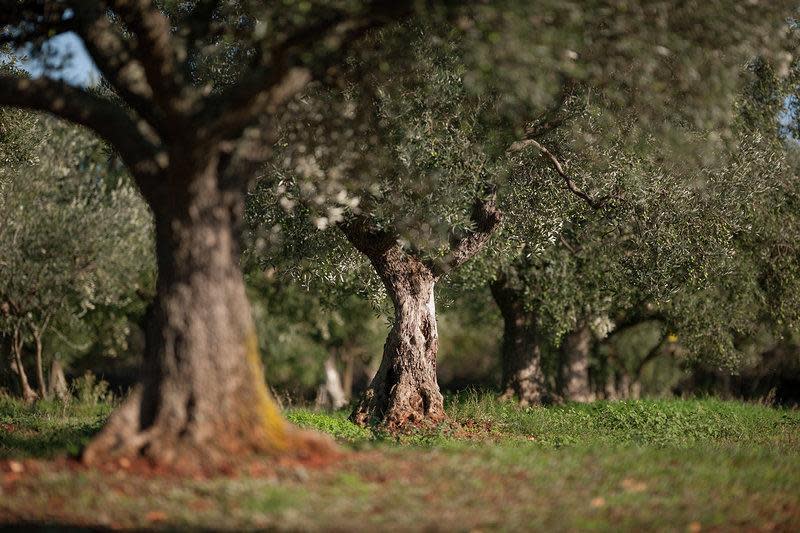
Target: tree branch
[[154, 50], [635, 320], [486, 217], [113, 58], [109, 120], [574, 189], [231, 123]]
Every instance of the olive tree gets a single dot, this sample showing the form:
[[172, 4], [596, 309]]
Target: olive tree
[[188, 139], [427, 207], [198, 84], [667, 241], [67, 243]]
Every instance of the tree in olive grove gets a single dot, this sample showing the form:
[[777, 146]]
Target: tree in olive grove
[[197, 86], [67, 244], [188, 144], [433, 137], [667, 242], [428, 164]]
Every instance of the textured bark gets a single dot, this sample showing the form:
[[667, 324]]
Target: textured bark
[[202, 398], [522, 375], [575, 351], [405, 391]]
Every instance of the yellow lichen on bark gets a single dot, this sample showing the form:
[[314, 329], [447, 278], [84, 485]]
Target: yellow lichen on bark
[[274, 426]]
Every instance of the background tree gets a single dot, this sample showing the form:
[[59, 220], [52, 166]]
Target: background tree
[[68, 244], [189, 144], [669, 239]]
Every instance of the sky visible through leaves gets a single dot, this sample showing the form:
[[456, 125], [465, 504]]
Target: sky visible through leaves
[[79, 69]]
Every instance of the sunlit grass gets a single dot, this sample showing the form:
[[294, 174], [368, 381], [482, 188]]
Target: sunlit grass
[[633, 465]]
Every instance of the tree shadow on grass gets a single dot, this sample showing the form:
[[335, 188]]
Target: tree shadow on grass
[[45, 443]]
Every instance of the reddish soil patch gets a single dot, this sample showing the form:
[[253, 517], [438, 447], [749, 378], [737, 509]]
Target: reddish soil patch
[[309, 451]]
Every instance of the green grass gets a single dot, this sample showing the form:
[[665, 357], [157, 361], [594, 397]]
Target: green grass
[[663, 465], [47, 428]]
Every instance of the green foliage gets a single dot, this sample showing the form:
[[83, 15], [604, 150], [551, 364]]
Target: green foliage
[[74, 233], [335, 424], [91, 391], [651, 60], [405, 148], [298, 331]]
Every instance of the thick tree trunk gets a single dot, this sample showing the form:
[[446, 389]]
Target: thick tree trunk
[[202, 399], [575, 351], [28, 394], [522, 374], [405, 390]]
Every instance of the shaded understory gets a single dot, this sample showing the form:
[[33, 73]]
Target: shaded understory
[[656, 464]]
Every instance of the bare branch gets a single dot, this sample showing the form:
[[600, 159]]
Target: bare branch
[[486, 217], [155, 50], [577, 191], [113, 58], [109, 120]]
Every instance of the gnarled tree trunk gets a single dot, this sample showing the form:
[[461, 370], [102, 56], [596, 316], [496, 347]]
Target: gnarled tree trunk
[[202, 398], [522, 374], [405, 390], [575, 351]]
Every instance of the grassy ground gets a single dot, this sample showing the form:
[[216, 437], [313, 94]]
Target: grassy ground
[[663, 465]]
